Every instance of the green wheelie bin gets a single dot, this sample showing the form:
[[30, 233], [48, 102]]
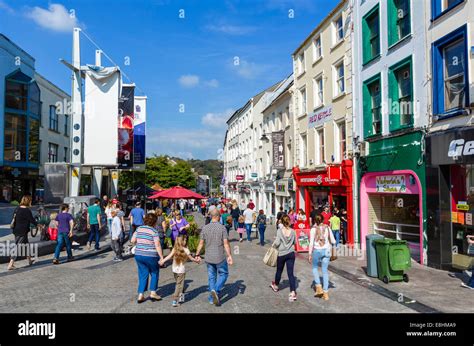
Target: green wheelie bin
[[393, 259]]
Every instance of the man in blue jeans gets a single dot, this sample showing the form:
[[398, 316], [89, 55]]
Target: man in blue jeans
[[249, 215], [94, 224], [218, 256], [136, 218], [65, 226]]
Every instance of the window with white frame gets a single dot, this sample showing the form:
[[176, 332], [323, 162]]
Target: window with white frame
[[318, 91], [320, 146], [301, 63], [339, 86], [289, 158], [303, 150], [317, 48], [341, 140], [302, 98], [338, 29]]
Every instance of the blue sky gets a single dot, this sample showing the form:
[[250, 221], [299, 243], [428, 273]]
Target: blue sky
[[175, 61]]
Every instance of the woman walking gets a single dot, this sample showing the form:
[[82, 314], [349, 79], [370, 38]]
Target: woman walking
[[160, 226], [180, 254], [261, 225], [178, 225], [22, 218], [108, 212], [117, 232], [285, 244], [235, 212], [292, 215], [321, 241], [65, 227], [147, 254]]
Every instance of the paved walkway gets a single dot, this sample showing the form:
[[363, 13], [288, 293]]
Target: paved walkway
[[95, 283]]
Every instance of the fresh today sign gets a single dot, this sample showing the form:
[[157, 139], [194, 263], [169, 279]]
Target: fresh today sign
[[391, 183]]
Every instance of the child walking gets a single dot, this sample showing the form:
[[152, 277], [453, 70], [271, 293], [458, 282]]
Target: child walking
[[241, 227], [53, 227], [180, 254], [116, 232]]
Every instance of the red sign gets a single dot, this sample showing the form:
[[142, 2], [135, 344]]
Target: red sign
[[302, 236], [239, 177]]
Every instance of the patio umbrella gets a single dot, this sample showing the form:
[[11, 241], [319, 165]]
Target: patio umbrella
[[177, 192]]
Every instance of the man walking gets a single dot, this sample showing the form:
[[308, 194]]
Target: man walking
[[136, 218], [65, 227], [94, 224], [249, 215], [218, 256]]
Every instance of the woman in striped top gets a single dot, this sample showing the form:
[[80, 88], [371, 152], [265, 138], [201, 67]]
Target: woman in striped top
[[148, 252]]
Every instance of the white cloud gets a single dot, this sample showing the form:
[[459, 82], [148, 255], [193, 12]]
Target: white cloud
[[56, 18], [213, 83], [217, 120], [188, 81], [5, 7], [248, 70], [196, 142], [235, 30]]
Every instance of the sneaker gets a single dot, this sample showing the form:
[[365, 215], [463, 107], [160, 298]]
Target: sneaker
[[467, 286], [181, 298], [96, 249], [292, 297], [70, 259], [215, 298], [174, 303], [274, 286], [75, 243], [241, 240], [55, 261], [115, 259]]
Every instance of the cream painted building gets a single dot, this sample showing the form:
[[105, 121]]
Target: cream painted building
[[323, 116]]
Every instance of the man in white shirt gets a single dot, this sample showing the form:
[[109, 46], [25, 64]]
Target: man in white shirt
[[249, 215]]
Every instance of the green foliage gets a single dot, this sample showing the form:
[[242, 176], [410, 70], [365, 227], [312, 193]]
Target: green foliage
[[212, 168], [15, 203], [193, 242], [161, 170]]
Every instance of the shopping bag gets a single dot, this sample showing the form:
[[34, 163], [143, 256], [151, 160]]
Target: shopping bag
[[270, 258]]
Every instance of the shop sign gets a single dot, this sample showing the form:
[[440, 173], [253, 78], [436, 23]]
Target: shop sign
[[462, 206], [254, 175], [270, 186], [391, 183], [451, 147], [239, 177], [319, 179], [469, 219], [320, 117], [281, 187], [290, 185], [278, 144]]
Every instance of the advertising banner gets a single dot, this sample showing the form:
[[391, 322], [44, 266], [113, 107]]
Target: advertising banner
[[302, 231], [102, 91], [139, 132], [125, 127], [278, 143], [320, 117]]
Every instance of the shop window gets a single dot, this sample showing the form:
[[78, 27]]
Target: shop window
[[399, 20], [371, 35], [400, 91], [450, 71], [440, 7], [15, 137], [372, 95]]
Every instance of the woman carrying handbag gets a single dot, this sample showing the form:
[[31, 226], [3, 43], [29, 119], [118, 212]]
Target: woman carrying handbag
[[320, 245], [285, 244]]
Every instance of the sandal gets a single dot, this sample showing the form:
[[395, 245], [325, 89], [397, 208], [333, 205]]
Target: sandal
[[12, 268], [274, 287]]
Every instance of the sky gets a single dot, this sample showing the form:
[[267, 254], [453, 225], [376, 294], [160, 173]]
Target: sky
[[197, 61]]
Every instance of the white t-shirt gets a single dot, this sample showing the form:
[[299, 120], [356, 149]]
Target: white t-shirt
[[248, 213], [180, 268], [116, 228]]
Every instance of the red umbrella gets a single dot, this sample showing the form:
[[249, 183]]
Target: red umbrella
[[177, 192]]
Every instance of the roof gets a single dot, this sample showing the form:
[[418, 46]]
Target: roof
[[51, 83], [17, 46], [289, 80], [320, 25]]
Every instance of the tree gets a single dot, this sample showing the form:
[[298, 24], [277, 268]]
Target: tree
[[161, 170]]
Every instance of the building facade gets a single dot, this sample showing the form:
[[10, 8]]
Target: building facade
[[55, 124], [391, 103], [450, 170], [322, 103], [20, 111]]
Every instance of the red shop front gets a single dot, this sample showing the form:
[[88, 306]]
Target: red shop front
[[332, 185]]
